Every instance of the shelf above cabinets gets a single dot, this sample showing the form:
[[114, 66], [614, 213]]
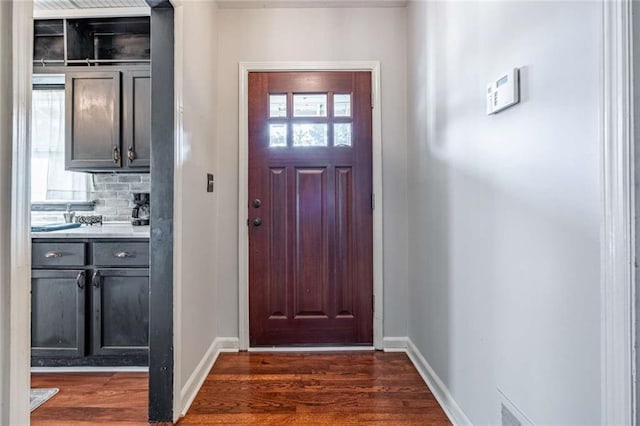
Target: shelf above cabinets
[[91, 42]]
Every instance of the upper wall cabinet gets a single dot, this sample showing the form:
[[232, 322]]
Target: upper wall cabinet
[[108, 120], [94, 41], [136, 119], [93, 120], [108, 89]]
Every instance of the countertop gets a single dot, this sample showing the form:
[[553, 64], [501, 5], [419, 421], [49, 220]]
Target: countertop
[[108, 230]]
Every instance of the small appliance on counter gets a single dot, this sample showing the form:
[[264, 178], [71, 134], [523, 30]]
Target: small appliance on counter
[[141, 211]]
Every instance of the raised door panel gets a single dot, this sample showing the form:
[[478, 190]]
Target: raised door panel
[[137, 119], [93, 121], [120, 312], [57, 313]]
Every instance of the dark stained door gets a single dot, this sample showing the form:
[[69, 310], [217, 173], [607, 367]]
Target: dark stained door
[[310, 209]]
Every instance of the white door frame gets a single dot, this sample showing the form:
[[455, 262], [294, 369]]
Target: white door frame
[[618, 215], [243, 182], [19, 338]]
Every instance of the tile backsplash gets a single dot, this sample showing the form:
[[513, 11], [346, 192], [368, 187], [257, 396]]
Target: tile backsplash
[[113, 194]]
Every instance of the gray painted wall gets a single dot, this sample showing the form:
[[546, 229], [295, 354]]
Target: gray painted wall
[[315, 34], [504, 245], [199, 303], [6, 112]]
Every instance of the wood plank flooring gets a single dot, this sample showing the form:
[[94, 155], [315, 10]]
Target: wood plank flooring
[[314, 389], [258, 388], [92, 399]]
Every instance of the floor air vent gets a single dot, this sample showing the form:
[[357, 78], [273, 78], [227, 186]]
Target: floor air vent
[[510, 414], [508, 418]]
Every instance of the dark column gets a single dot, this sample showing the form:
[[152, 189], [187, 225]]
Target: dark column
[[162, 149]]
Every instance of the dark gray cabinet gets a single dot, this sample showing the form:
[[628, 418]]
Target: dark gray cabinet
[[136, 119], [108, 120], [58, 313], [92, 120], [120, 311], [90, 302]]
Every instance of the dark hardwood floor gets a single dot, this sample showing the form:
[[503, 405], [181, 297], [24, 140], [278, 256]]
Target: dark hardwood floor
[[92, 399], [314, 389], [258, 388]]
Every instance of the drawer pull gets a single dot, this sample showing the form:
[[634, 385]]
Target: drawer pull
[[53, 254], [123, 255], [80, 280]]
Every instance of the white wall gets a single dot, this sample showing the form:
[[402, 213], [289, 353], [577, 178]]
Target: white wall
[[6, 111], [315, 35], [196, 72], [504, 242]]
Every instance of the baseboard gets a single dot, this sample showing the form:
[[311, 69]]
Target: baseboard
[[395, 344], [437, 386], [312, 349], [197, 378]]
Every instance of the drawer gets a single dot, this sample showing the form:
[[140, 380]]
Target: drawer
[[58, 254], [124, 253]]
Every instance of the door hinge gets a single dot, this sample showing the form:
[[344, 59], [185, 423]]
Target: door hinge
[[373, 201]]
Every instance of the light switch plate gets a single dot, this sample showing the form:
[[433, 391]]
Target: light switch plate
[[503, 92], [210, 182]]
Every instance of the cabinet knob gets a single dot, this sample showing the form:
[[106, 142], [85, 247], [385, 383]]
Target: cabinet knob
[[95, 280], [131, 154]]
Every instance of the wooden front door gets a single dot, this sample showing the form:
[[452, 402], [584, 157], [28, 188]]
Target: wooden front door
[[310, 209]]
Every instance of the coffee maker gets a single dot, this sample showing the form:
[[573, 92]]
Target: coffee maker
[[141, 212]]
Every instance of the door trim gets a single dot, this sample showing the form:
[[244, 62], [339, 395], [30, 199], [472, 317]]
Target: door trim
[[618, 218], [243, 181], [16, 344]]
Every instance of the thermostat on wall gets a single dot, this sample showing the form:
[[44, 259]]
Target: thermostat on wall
[[504, 92]]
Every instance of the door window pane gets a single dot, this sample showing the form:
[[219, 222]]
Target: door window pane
[[277, 105], [342, 134], [342, 105], [277, 135], [310, 134], [306, 105]]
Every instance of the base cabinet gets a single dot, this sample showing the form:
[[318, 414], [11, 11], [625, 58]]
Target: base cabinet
[[58, 313], [120, 312], [96, 314]]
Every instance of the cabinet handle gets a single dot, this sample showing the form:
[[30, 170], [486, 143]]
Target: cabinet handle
[[131, 154], [53, 254], [123, 254], [116, 155], [80, 280], [95, 280]]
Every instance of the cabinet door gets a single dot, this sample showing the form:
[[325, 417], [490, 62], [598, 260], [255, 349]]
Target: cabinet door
[[136, 119], [93, 121], [120, 312], [57, 313]]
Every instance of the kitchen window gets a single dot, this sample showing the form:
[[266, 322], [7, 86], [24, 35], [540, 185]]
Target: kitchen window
[[50, 182]]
